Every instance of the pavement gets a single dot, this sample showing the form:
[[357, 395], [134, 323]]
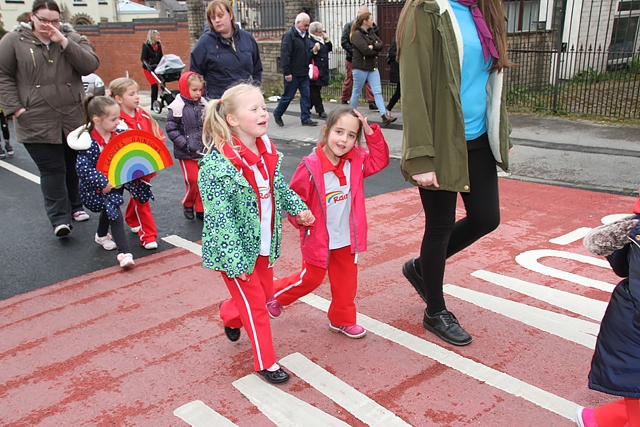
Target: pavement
[[578, 154]]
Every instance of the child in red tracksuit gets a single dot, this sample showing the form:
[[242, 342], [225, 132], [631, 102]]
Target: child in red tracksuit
[[331, 183], [184, 128], [138, 215]]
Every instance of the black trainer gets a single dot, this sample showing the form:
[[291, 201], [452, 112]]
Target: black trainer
[[232, 333], [276, 377], [411, 273], [188, 212], [445, 325]]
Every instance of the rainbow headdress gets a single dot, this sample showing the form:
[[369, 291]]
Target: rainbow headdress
[[131, 155]]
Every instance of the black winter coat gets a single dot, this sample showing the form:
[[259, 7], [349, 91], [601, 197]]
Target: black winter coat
[[615, 368], [394, 66], [295, 53], [364, 58], [345, 40], [321, 59], [152, 57]]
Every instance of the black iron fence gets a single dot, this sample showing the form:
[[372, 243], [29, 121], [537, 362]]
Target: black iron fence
[[573, 56]]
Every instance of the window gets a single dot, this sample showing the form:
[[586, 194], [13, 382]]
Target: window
[[522, 15], [623, 37]]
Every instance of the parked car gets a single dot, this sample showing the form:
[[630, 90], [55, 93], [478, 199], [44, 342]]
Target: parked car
[[93, 84]]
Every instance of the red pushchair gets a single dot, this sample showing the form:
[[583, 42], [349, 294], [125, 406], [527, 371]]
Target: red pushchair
[[168, 70]]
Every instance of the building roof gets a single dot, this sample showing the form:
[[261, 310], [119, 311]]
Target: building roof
[[126, 6]]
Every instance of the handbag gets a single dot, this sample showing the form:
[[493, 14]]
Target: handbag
[[314, 72]]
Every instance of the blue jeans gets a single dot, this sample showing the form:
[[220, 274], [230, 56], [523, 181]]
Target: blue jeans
[[300, 83], [373, 77]]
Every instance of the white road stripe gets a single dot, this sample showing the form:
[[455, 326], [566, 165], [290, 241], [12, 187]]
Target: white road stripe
[[184, 244], [529, 260], [569, 328], [571, 237], [197, 414], [358, 404], [23, 173], [588, 307], [483, 373], [282, 408]]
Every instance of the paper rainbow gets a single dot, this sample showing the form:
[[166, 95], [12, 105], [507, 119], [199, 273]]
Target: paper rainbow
[[131, 155]]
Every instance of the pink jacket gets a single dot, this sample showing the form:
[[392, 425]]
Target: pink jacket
[[308, 182]]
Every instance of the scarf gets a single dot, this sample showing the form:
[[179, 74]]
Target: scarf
[[488, 46]]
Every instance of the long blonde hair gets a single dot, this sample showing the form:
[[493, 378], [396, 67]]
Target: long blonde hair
[[150, 35], [119, 86], [493, 14], [216, 132]]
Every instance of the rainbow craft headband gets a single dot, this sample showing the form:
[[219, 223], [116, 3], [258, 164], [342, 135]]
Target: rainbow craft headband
[[131, 155]]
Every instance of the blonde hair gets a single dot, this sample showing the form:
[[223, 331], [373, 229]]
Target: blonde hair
[[216, 132], [119, 86], [150, 35], [226, 7], [196, 76]]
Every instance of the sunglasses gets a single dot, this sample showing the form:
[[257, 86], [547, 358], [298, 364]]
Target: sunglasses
[[46, 21]]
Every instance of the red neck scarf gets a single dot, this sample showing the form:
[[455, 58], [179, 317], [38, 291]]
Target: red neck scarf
[[338, 169]]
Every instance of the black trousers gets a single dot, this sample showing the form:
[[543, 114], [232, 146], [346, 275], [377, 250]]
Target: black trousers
[[394, 98], [154, 93], [316, 98], [117, 228], [443, 235], [5, 127]]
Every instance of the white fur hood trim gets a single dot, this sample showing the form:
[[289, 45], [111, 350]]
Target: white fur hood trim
[[79, 139]]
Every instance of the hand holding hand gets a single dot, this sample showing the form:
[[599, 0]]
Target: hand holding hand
[[426, 179], [305, 218], [365, 124]]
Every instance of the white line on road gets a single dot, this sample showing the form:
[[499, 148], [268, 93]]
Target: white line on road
[[569, 328], [529, 260], [282, 408], [571, 237], [588, 307], [483, 373], [197, 414], [23, 173], [362, 407]]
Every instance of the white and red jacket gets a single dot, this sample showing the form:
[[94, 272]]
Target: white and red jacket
[[308, 182]]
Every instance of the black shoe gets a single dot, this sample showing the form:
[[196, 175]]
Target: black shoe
[[310, 123], [322, 115], [278, 120], [411, 273], [188, 212], [373, 107], [232, 333], [275, 377], [200, 215], [445, 325], [345, 102]]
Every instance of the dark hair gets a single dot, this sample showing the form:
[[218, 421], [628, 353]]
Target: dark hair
[[45, 4], [96, 106], [24, 17], [333, 118]]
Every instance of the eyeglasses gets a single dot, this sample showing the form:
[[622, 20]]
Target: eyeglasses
[[47, 21]]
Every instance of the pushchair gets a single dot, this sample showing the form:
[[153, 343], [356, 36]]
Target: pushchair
[[168, 70]]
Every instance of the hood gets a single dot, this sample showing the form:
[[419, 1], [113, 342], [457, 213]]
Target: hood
[[79, 139], [183, 85]]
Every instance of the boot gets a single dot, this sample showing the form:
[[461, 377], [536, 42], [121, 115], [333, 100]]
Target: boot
[[387, 119]]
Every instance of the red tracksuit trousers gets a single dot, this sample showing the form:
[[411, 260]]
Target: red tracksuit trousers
[[343, 277], [247, 308], [191, 198], [621, 413], [140, 215]]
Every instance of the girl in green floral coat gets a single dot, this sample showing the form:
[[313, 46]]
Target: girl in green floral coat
[[243, 194]]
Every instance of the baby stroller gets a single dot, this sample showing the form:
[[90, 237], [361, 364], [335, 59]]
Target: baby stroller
[[168, 70]]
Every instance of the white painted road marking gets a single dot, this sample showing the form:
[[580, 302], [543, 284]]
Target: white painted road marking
[[571, 237], [362, 407], [197, 414], [23, 173]]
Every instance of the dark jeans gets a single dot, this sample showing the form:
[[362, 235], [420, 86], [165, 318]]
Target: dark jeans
[[5, 127], [58, 180], [117, 228], [316, 98], [394, 98], [300, 83], [443, 235]]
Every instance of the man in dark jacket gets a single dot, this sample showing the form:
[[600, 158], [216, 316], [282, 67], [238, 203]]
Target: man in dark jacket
[[295, 57], [347, 85]]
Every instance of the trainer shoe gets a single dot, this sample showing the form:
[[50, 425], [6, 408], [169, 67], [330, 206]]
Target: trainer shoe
[[151, 245], [3, 154], [274, 308], [80, 216], [9, 148], [135, 229], [106, 242], [373, 106], [188, 212], [125, 260], [445, 325], [353, 331], [62, 230]]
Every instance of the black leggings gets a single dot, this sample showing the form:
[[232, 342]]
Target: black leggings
[[5, 127], [117, 228], [394, 98], [316, 98], [443, 236]]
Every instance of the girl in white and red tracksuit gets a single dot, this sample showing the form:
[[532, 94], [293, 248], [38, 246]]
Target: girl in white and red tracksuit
[[184, 128], [331, 182], [138, 215]]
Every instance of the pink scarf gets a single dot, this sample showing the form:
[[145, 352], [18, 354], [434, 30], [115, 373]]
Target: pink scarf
[[488, 46]]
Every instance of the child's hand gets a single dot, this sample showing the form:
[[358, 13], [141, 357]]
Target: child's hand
[[107, 188], [365, 125], [305, 218], [243, 277]]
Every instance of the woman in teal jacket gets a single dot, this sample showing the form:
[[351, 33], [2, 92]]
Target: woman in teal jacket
[[455, 132]]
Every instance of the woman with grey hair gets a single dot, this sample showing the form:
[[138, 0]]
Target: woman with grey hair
[[320, 48], [150, 57]]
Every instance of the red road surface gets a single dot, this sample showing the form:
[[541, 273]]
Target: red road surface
[[127, 348]]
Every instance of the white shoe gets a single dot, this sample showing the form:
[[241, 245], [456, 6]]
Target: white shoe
[[151, 245], [106, 242], [125, 260], [135, 229], [80, 216], [62, 230]]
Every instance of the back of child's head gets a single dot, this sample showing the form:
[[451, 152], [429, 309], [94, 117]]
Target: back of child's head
[[119, 86], [96, 106], [334, 116], [216, 132]]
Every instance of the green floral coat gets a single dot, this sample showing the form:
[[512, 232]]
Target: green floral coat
[[231, 230]]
